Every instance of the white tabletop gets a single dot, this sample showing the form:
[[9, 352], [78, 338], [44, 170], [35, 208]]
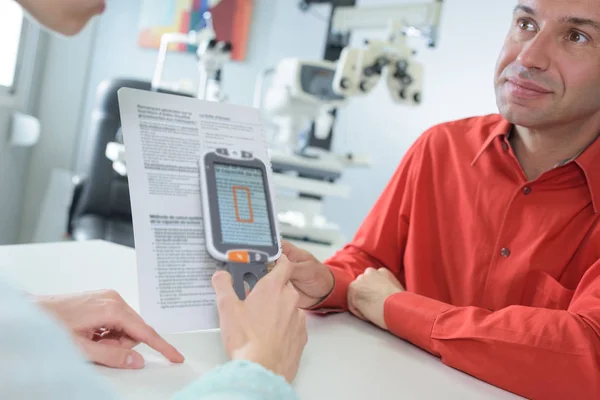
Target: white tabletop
[[344, 359]]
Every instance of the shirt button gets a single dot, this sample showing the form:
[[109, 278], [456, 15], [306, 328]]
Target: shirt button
[[505, 252], [505, 146], [526, 190]]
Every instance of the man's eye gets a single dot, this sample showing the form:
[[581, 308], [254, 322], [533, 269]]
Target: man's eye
[[526, 25], [577, 37]]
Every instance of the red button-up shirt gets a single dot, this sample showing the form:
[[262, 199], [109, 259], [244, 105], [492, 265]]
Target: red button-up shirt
[[502, 274]]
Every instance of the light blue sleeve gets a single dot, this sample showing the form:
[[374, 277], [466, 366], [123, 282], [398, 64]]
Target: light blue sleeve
[[39, 361], [238, 380], [37, 356]]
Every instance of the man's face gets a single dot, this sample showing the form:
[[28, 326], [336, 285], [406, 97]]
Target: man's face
[[64, 16], [548, 72]]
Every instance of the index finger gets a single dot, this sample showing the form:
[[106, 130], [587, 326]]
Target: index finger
[[282, 270], [134, 326]]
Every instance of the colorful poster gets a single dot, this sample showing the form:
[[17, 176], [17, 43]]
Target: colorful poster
[[231, 21]]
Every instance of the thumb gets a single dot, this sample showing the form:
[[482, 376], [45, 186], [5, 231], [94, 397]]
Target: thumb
[[111, 356], [223, 285], [283, 270]]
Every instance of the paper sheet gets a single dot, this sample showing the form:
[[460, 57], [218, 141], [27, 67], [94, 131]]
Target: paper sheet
[[164, 136]]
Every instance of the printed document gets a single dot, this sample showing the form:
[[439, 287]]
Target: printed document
[[164, 137]]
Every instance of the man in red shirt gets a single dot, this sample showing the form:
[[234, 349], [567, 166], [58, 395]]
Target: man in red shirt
[[484, 249]]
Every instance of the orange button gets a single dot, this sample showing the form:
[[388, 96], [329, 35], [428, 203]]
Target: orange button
[[238, 256]]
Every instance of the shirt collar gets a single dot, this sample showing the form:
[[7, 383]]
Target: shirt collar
[[501, 128], [588, 160]]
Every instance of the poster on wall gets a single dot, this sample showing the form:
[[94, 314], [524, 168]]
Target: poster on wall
[[231, 22]]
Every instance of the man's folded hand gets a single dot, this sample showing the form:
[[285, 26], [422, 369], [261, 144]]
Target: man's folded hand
[[368, 292]]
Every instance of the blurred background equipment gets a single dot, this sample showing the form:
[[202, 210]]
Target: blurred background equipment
[[211, 55], [299, 99], [302, 99]]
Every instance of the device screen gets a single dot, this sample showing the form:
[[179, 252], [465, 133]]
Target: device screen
[[242, 204]]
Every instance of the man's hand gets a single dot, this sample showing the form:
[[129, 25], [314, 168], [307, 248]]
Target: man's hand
[[368, 292], [311, 278], [106, 328], [268, 327]]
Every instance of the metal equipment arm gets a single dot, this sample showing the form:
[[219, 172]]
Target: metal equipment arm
[[424, 17]]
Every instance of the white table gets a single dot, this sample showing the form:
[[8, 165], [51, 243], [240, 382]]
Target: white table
[[344, 359]]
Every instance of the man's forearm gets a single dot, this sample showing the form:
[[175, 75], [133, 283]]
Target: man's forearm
[[345, 266], [336, 300], [537, 353]]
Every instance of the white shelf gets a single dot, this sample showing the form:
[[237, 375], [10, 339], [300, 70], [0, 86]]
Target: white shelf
[[321, 252], [320, 235], [311, 186]]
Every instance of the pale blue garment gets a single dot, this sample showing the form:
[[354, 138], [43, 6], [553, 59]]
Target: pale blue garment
[[39, 361], [238, 380]]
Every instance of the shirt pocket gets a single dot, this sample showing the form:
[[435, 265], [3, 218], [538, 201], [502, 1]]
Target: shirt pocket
[[543, 291]]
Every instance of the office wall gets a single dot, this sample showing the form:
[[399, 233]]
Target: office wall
[[13, 170], [458, 84], [58, 108]]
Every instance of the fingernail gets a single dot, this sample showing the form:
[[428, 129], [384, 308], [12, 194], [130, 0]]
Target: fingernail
[[134, 361]]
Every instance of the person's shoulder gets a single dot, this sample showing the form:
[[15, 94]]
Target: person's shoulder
[[469, 132], [481, 125]]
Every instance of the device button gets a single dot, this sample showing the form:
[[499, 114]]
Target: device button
[[246, 154], [258, 258], [238, 256], [222, 152]]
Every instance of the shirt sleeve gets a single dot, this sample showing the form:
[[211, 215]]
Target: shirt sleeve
[[238, 380], [534, 352], [381, 239]]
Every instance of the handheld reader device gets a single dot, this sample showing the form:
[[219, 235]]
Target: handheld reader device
[[239, 217]]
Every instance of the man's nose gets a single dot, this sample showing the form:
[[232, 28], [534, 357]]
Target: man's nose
[[535, 53]]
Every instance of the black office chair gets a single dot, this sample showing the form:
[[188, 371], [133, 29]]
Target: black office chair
[[101, 208]]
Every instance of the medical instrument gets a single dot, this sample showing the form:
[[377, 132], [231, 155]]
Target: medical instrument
[[303, 91], [300, 92], [211, 53], [302, 98]]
